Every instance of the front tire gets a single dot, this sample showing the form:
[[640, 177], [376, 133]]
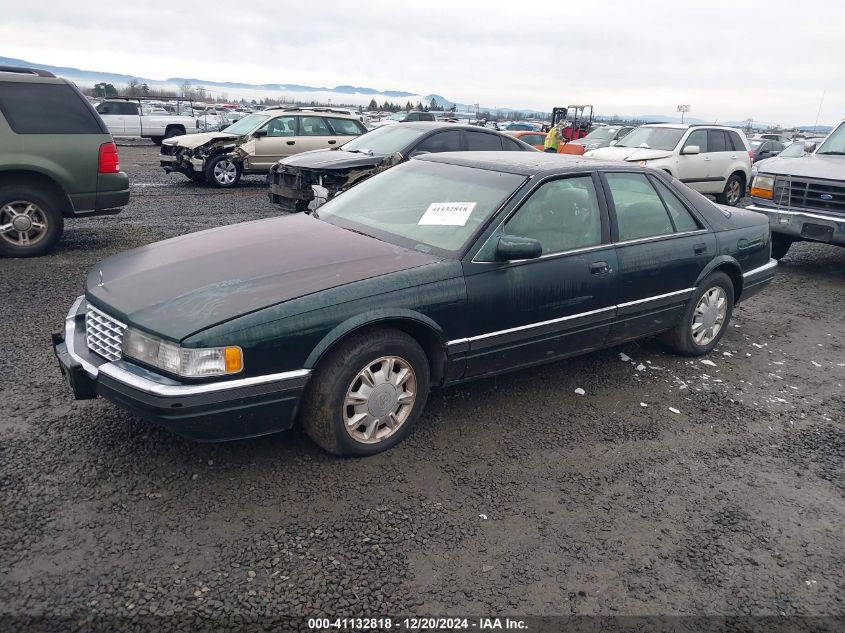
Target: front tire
[[367, 394], [706, 318], [31, 221], [780, 245], [734, 190], [222, 172]]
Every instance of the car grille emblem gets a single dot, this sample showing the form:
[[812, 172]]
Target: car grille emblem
[[826, 196]]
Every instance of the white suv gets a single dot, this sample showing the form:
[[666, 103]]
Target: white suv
[[712, 159]]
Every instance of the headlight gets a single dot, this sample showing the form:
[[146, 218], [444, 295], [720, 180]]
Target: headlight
[[762, 186], [182, 361]]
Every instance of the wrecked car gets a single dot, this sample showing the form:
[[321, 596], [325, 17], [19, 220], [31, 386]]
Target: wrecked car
[[257, 142], [304, 182]]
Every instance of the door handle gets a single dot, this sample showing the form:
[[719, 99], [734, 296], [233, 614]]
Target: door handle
[[332, 142], [706, 158], [599, 268], [291, 142], [700, 248]]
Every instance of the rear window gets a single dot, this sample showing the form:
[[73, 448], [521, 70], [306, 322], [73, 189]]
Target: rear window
[[35, 108]]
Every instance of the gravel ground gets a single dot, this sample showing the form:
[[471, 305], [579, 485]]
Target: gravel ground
[[514, 495]]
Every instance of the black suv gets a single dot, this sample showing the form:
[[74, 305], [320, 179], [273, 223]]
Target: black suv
[[57, 160]]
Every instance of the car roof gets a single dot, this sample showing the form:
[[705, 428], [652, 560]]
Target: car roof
[[434, 125], [521, 163]]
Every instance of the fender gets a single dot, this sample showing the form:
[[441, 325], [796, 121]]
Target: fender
[[373, 317], [724, 261]]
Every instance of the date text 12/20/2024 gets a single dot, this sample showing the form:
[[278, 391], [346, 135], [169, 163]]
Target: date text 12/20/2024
[[417, 624]]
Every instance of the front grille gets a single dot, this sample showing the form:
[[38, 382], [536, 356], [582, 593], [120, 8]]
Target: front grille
[[809, 194], [103, 333]]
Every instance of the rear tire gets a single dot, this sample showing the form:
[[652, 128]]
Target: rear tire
[[734, 191], [706, 318], [31, 221], [376, 382], [780, 245], [157, 139], [222, 172]]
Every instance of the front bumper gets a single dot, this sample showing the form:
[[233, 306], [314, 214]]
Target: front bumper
[[182, 164], [804, 225], [208, 411]]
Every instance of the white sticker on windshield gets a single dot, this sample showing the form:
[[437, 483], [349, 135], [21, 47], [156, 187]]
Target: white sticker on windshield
[[447, 213]]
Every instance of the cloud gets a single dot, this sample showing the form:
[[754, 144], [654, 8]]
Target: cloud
[[729, 60]]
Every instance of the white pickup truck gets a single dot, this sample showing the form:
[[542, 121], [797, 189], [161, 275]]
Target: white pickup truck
[[133, 119]]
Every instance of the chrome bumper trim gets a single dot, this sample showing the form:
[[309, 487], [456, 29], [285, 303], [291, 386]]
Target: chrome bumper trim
[[166, 387], [805, 214]]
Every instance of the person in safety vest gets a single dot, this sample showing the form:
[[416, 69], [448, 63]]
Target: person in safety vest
[[554, 139]]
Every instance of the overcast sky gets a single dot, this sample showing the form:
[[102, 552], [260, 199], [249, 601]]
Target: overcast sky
[[729, 59]]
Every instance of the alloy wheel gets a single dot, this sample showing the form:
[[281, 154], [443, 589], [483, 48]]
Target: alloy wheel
[[379, 400], [23, 223], [225, 172], [734, 192], [709, 316]]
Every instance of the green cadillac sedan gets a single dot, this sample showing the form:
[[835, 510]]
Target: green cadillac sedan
[[444, 269]]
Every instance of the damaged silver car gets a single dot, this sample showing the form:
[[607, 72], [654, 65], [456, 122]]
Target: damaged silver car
[[256, 143], [304, 182]]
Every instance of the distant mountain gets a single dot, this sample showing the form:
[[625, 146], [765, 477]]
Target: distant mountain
[[92, 76]]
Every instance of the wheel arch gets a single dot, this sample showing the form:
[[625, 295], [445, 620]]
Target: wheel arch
[[38, 178], [421, 328], [729, 266]]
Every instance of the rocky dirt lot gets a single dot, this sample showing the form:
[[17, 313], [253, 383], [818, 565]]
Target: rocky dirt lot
[[672, 486]]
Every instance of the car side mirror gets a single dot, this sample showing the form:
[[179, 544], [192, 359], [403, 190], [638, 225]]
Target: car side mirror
[[809, 148], [691, 149], [512, 247], [612, 143], [259, 133]]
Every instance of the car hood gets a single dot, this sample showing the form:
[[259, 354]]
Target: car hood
[[332, 159], [628, 153], [181, 286], [811, 166], [191, 141]]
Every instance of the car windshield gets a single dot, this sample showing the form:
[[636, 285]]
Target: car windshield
[[793, 151], [247, 124], [427, 206], [601, 134], [652, 138], [835, 143], [385, 140], [397, 116]]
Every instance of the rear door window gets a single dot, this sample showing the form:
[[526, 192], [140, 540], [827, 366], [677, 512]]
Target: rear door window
[[639, 210], [479, 142], [313, 126], [716, 141], [681, 217], [449, 141], [346, 127], [45, 108]]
